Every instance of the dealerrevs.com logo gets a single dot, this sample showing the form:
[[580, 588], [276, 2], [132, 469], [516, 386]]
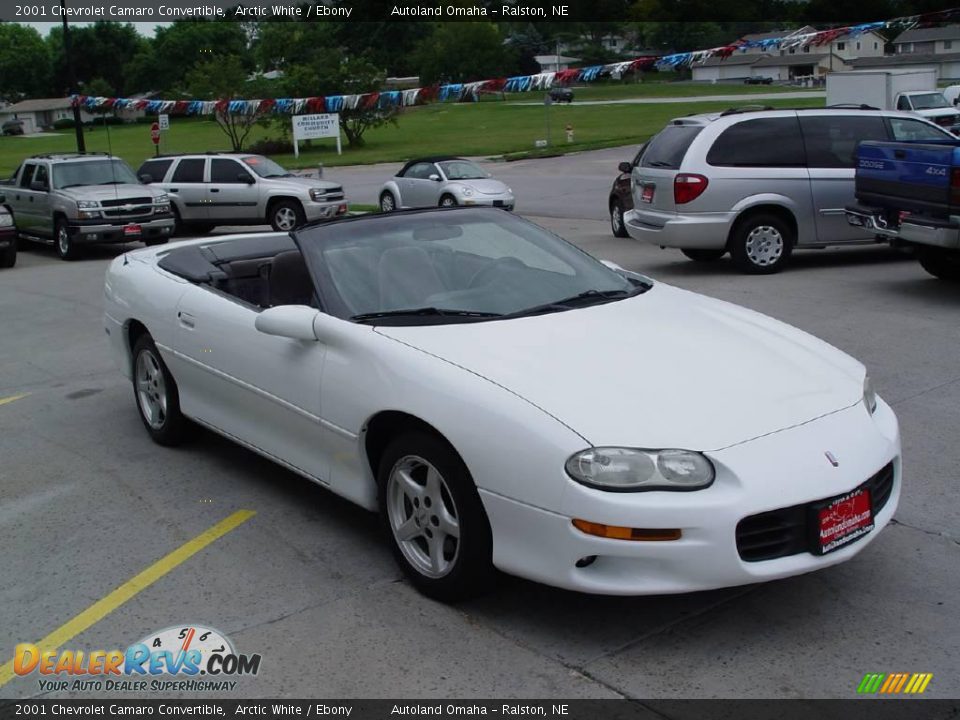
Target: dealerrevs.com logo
[[894, 683], [180, 658]]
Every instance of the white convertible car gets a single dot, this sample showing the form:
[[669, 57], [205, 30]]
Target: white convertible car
[[507, 401]]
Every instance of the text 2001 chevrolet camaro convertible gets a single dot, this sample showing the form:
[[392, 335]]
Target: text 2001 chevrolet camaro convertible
[[507, 401]]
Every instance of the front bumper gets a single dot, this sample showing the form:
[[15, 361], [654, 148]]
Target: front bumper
[[324, 210], [676, 230], [775, 471], [504, 201], [101, 231]]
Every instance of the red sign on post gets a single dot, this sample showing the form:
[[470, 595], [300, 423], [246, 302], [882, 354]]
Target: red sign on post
[[155, 133]]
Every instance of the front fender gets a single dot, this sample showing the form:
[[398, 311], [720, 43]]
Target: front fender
[[392, 187]]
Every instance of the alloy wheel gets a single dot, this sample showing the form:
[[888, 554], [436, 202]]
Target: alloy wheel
[[423, 516], [285, 218], [151, 389]]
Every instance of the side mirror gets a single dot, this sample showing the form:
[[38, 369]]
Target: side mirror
[[245, 178], [435, 177], [289, 321], [625, 167], [38, 185], [145, 178]]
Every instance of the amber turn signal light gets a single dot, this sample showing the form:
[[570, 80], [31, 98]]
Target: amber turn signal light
[[615, 532]]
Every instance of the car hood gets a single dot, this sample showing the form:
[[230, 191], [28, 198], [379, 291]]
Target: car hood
[[665, 369], [300, 183], [111, 192], [485, 186]]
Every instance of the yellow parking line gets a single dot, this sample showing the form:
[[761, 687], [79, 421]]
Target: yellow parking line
[[13, 398], [106, 605]]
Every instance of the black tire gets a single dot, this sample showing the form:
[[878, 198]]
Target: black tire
[[470, 570], [616, 219], [447, 200], [178, 226], [201, 228], [286, 215], [8, 258], [754, 260], [942, 264], [388, 203], [701, 255], [63, 241], [170, 426]]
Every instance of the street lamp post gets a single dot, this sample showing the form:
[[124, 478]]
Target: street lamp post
[[71, 79]]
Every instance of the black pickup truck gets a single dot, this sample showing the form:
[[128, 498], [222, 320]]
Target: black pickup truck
[[909, 192]]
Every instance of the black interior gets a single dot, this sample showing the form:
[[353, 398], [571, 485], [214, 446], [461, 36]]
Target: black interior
[[363, 277]]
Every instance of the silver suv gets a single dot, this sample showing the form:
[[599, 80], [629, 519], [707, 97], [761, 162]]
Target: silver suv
[[757, 183], [213, 189]]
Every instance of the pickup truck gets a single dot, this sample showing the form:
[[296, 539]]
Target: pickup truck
[[909, 193], [71, 199]]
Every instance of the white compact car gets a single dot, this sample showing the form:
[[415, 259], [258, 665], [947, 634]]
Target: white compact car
[[443, 182], [505, 400]]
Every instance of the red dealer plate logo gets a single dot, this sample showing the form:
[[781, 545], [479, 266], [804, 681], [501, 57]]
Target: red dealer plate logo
[[842, 521], [129, 230]]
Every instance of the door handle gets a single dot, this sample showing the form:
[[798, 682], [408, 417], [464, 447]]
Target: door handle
[[899, 154], [174, 189], [187, 320], [214, 189]]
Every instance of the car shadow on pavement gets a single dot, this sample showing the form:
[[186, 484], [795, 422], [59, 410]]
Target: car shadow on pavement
[[677, 265]]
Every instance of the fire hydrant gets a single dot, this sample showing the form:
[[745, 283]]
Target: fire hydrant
[[569, 133]]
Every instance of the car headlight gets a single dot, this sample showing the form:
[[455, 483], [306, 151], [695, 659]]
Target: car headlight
[[631, 469], [6, 219], [869, 395], [161, 204], [88, 205], [466, 191]]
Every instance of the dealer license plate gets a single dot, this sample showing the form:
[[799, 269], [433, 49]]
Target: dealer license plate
[[841, 521], [646, 193], [132, 230]]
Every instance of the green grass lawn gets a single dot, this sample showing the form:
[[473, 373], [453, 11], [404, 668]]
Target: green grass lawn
[[481, 129]]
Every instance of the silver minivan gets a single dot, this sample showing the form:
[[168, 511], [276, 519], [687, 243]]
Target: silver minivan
[[758, 183]]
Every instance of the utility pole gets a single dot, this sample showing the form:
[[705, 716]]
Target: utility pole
[[71, 79]]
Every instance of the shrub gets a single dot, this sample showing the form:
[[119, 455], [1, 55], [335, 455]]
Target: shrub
[[271, 146]]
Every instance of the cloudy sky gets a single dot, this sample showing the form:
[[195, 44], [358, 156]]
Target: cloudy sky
[[144, 28]]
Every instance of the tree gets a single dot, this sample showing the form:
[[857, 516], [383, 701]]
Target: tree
[[97, 51], [332, 73], [178, 48], [24, 62], [224, 78], [463, 51]]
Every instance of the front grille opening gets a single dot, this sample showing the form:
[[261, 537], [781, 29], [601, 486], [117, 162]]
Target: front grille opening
[[786, 531]]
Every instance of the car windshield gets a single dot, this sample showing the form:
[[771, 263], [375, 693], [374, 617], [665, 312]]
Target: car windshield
[[462, 265], [928, 101], [462, 170], [92, 172], [265, 167]]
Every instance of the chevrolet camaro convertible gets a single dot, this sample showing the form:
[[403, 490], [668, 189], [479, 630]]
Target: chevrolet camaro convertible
[[504, 400]]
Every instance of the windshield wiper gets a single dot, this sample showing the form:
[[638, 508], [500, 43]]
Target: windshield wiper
[[422, 312], [584, 299], [659, 164]]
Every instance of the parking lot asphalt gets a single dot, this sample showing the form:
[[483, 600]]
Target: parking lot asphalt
[[87, 502]]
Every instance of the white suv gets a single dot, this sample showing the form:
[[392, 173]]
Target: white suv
[[757, 183], [240, 189]]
